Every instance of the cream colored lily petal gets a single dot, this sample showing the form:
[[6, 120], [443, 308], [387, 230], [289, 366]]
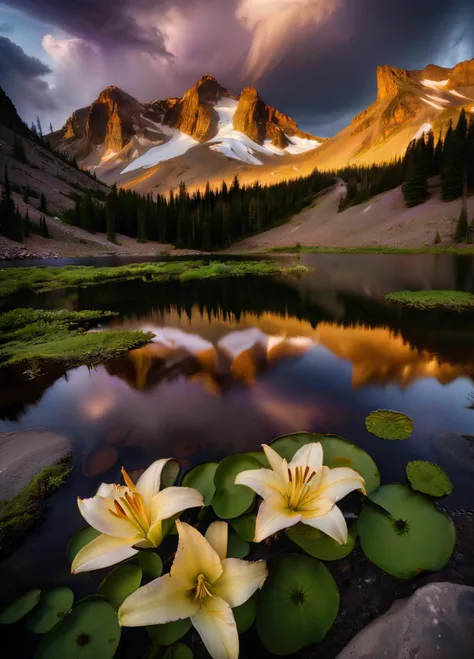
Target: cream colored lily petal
[[195, 556], [264, 482], [239, 580], [217, 536], [149, 482], [216, 626], [106, 490], [174, 500], [103, 551], [274, 515], [337, 483], [310, 455], [155, 535], [277, 463], [315, 505], [163, 600], [332, 524], [97, 511]]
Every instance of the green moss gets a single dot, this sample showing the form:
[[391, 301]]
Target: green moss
[[34, 337], [52, 278], [448, 300], [316, 249], [20, 513]]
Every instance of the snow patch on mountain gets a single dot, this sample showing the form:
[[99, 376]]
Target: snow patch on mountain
[[434, 84], [433, 104], [425, 129], [300, 145], [176, 146]]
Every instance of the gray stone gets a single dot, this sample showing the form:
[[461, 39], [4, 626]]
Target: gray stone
[[436, 622], [24, 453]]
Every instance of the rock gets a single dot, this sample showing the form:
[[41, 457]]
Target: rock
[[24, 453], [388, 81], [111, 119], [462, 75], [436, 622]]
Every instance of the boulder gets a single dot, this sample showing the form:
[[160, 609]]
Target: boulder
[[436, 622], [24, 453]]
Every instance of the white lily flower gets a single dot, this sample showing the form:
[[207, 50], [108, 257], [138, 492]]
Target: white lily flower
[[202, 585], [302, 491], [130, 516]]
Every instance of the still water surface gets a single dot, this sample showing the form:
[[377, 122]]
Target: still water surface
[[238, 362]]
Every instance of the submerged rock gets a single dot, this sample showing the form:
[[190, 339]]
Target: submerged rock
[[436, 622], [24, 453]]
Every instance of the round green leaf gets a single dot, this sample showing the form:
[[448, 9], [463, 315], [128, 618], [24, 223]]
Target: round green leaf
[[232, 500], [245, 615], [170, 473], [120, 583], [244, 526], [20, 607], [297, 605], [261, 457], [170, 632], [318, 544], [236, 547], [337, 452], [79, 540], [178, 651], [150, 563], [52, 607], [90, 630], [388, 424], [404, 533], [428, 478], [202, 479]]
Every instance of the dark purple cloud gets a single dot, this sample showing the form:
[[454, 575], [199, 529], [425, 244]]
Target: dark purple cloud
[[317, 65]]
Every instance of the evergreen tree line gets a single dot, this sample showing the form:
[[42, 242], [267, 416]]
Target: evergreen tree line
[[12, 224], [366, 182], [212, 219]]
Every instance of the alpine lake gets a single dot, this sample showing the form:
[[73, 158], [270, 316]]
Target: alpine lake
[[235, 363]]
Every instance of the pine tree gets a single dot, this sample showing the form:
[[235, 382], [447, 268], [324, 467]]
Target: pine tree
[[51, 127], [34, 130], [26, 225], [462, 228], [437, 157], [452, 166], [415, 188], [38, 127], [10, 226], [111, 211], [43, 205], [19, 150], [44, 227]]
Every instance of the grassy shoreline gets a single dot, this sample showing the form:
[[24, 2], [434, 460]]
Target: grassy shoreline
[[423, 300], [371, 250], [41, 279]]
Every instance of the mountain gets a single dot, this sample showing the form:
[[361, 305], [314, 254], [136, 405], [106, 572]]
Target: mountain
[[124, 141]]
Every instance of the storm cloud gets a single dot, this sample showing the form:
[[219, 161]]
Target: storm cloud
[[313, 59], [21, 78]]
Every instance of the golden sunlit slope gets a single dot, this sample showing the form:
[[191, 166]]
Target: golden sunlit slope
[[408, 103]]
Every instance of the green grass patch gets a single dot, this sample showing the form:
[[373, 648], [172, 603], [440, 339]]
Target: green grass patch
[[43, 279], [19, 514], [35, 337], [448, 300], [314, 249]]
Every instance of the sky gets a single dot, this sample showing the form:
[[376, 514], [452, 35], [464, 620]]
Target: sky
[[314, 60]]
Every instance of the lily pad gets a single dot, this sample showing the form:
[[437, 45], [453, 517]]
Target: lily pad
[[202, 479], [232, 500], [150, 563], [297, 605], [79, 540], [428, 478], [170, 473], [120, 583], [403, 533], [17, 609], [88, 631], [170, 632], [52, 607], [244, 526], [337, 452], [387, 424], [318, 544], [261, 457], [245, 615], [236, 547], [178, 651]]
